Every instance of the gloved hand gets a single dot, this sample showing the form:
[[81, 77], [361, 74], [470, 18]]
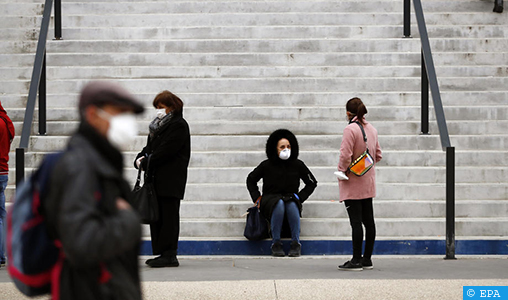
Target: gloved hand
[[290, 197], [138, 161]]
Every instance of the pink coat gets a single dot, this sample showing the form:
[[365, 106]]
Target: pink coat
[[352, 146]]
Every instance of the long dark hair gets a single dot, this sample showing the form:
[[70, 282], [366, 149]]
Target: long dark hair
[[356, 107]]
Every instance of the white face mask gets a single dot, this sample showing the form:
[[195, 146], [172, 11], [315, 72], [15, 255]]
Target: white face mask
[[285, 154], [160, 113], [123, 129]]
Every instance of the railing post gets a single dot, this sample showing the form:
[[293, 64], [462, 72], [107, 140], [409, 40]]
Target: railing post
[[20, 165], [450, 203], [407, 18], [36, 76], [42, 99], [425, 98], [58, 20]]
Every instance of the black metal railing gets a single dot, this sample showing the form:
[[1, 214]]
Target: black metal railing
[[429, 79], [37, 86]]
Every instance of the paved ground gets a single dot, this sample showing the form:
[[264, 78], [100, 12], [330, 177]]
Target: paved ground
[[313, 277]]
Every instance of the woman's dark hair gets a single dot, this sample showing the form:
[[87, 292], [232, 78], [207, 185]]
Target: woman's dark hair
[[357, 108], [168, 99]]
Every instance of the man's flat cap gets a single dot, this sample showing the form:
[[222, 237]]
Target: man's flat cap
[[101, 93]]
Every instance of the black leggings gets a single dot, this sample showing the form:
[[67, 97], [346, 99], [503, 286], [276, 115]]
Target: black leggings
[[361, 211]]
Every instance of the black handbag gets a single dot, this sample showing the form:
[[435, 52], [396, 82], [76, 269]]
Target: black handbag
[[145, 199], [256, 227]]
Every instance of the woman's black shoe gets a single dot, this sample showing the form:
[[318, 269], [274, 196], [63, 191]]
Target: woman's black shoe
[[151, 259], [277, 249], [350, 266], [295, 250], [367, 264], [163, 261], [498, 6]]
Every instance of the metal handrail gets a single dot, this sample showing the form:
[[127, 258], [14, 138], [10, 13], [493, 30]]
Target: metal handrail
[[429, 78], [37, 86]]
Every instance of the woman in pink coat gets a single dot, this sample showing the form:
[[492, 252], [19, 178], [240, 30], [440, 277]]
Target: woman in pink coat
[[357, 191]]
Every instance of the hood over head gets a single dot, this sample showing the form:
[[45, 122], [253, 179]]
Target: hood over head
[[274, 138]]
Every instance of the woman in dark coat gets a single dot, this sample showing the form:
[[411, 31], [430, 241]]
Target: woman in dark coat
[[281, 174], [168, 150]]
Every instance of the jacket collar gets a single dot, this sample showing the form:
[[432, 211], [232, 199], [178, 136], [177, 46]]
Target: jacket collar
[[176, 117], [100, 159], [356, 119]]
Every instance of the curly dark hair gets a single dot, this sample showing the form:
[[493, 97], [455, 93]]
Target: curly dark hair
[[274, 138]]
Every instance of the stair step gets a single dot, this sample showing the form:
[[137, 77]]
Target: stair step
[[255, 59], [260, 46], [329, 99], [275, 32], [324, 174], [209, 7], [313, 209], [328, 143], [385, 128], [339, 227], [330, 191], [171, 19], [126, 72], [295, 113]]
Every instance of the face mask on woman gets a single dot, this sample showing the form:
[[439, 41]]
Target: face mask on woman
[[122, 130], [285, 154], [160, 113]]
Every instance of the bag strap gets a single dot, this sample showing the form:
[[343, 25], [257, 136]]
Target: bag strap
[[147, 171], [363, 133], [146, 178], [138, 180]]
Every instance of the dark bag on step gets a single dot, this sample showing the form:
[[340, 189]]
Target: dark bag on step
[[256, 227], [144, 198]]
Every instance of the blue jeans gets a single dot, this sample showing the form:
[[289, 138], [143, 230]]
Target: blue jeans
[[290, 209], [3, 185]]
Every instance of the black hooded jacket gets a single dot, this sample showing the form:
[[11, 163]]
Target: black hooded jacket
[[281, 178]]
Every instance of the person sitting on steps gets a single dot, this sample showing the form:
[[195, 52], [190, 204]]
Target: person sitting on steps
[[281, 174]]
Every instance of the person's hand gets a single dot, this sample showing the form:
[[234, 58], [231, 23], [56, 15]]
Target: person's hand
[[290, 197], [341, 176], [121, 204], [138, 161]]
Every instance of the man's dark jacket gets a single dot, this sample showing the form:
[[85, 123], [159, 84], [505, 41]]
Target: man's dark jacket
[[169, 150], [100, 242]]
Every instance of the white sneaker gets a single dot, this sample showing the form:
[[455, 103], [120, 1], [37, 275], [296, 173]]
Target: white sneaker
[[340, 175]]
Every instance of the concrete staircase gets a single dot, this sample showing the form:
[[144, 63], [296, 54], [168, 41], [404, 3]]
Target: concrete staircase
[[246, 68]]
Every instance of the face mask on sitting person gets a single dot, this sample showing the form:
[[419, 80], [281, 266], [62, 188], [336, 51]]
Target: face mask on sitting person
[[285, 154]]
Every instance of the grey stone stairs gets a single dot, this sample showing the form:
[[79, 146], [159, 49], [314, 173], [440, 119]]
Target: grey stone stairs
[[246, 68]]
